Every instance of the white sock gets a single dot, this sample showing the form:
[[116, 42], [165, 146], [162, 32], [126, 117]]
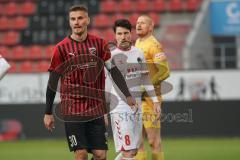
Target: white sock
[[119, 156]]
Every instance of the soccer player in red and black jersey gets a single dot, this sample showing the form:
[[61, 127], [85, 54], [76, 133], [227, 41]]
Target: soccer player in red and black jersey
[[78, 62]]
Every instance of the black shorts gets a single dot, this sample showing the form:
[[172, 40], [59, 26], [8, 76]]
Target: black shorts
[[86, 135]]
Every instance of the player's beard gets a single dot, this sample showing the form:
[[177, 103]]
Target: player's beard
[[80, 31], [144, 33], [125, 45], [81, 34], [141, 34]]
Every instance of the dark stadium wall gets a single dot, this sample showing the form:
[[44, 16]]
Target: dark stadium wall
[[204, 118], [198, 118]]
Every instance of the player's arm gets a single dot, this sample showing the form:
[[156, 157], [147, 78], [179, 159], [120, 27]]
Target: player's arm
[[51, 89], [146, 80], [55, 70], [160, 61], [146, 83], [50, 96], [119, 81], [163, 70], [149, 88]]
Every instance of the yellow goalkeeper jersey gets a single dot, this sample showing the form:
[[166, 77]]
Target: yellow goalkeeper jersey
[[155, 57]]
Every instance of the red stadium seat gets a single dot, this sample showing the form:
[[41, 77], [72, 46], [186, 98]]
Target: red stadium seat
[[143, 6], [26, 67], [101, 20], [27, 8], [5, 51], [96, 32], [2, 9], [116, 17], [109, 34], [42, 66], [176, 6], [10, 38], [11, 9], [18, 53], [13, 68], [155, 17], [4, 23], [159, 6], [19, 23], [133, 19], [192, 5], [126, 6], [108, 6], [35, 52], [48, 51], [10, 130]]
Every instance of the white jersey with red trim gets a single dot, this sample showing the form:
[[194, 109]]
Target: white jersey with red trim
[[132, 65], [127, 124]]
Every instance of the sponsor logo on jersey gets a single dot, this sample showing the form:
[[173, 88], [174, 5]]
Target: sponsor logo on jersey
[[161, 56], [92, 50]]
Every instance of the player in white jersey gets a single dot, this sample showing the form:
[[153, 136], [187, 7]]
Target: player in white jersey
[[126, 120]]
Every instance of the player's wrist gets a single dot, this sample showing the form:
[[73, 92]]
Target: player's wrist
[[155, 99]]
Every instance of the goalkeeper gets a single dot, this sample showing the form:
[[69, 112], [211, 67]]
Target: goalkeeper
[[159, 71]]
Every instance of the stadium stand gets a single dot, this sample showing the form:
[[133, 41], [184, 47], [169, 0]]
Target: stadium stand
[[159, 6], [4, 23], [30, 28], [10, 130]]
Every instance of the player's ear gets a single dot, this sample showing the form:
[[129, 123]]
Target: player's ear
[[152, 25], [89, 20]]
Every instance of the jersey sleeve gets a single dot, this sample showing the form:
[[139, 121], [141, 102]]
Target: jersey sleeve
[[160, 58], [157, 53], [56, 62], [146, 80]]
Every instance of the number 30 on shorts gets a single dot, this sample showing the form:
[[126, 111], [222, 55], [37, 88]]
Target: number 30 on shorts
[[127, 140], [73, 140]]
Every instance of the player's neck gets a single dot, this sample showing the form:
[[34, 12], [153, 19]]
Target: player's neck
[[79, 37], [143, 38], [124, 48]]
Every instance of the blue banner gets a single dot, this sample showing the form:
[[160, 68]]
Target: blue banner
[[225, 17]]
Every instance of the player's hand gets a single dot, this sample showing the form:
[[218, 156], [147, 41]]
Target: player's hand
[[132, 103], [157, 109], [49, 122]]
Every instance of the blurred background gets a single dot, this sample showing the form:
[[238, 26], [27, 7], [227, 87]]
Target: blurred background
[[201, 39]]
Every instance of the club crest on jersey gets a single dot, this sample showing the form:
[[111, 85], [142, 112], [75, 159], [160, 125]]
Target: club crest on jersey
[[92, 50]]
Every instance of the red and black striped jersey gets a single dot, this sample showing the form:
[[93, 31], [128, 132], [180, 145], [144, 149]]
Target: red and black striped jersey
[[80, 65]]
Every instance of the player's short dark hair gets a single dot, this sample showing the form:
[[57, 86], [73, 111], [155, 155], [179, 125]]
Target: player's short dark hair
[[78, 8], [122, 23]]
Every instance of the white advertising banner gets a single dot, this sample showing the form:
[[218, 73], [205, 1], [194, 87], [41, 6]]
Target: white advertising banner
[[23, 88], [186, 85], [204, 85]]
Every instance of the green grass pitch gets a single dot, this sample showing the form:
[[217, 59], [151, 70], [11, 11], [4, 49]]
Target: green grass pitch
[[174, 148]]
